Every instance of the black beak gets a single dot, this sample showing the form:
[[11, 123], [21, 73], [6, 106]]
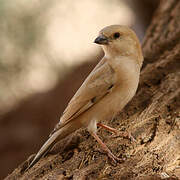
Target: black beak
[[101, 39]]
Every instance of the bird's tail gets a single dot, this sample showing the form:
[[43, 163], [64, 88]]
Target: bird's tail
[[59, 134]]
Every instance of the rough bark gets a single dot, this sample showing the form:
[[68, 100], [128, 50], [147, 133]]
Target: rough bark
[[152, 117]]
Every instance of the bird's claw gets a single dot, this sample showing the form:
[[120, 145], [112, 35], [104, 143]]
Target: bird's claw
[[114, 158]]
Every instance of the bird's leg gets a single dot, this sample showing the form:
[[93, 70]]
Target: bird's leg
[[105, 148], [108, 128], [119, 133]]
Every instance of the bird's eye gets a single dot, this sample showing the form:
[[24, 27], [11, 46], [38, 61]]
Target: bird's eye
[[116, 35]]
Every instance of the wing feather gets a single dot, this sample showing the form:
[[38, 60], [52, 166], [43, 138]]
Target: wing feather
[[97, 85]]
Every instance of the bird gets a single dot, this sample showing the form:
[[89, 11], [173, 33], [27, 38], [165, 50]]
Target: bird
[[107, 89]]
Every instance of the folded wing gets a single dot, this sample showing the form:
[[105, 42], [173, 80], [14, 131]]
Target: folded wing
[[97, 85]]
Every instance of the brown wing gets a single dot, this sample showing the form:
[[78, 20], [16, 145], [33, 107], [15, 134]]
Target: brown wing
[[96, 86]]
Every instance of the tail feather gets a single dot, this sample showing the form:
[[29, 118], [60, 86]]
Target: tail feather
[[42, 152], [57, 135]]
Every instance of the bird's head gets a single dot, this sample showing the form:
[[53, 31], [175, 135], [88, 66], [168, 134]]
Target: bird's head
[[117, 40]]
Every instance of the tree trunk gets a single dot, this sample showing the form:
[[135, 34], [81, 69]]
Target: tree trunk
[[153, 118]]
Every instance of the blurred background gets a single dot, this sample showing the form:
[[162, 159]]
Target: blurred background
[[47, 51]]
